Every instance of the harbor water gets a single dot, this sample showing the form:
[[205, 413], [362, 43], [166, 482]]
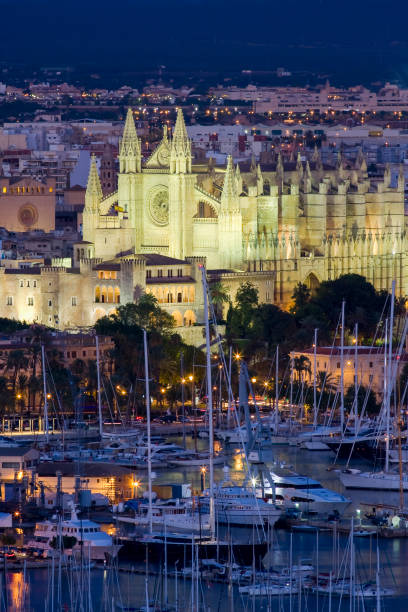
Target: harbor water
[[126, 589]]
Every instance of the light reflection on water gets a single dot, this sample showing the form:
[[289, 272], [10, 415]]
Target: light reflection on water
[[393, 552]]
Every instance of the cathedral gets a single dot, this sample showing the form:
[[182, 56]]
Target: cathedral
[[300, 223], [275, 226]]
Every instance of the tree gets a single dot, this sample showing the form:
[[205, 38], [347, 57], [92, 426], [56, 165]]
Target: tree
[[301, 366], [219, 296], [300, 297], [240, 316], [365, 397], [16, 361]]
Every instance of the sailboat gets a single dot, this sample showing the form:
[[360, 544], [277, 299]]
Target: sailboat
[[384, 480], [177, 544]]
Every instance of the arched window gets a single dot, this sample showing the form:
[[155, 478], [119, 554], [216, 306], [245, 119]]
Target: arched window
[[189, 318], [117, 295], [110, 295], [97, 294], [191, 294], [104, 295], [177, 318]]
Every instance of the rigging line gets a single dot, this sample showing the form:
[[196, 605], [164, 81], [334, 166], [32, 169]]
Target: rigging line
[[47, 363]]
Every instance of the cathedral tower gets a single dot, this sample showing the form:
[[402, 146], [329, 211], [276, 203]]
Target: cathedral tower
[[181, 192], [93, 196], [130, 196]]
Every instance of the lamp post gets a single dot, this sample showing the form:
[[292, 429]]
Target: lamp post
[[203, 472]]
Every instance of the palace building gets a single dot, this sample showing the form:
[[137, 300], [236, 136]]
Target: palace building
[[274, 225]]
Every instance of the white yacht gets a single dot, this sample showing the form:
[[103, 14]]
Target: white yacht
[[191, 458], [172, 515], [378, 481], [96, 543], [305, 494], [236, 505]]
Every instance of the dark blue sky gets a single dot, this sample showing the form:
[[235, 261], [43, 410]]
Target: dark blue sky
[[363, 36]]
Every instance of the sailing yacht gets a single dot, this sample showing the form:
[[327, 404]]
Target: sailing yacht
[[385, 480]]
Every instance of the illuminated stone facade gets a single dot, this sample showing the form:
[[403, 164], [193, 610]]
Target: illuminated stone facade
[[275, 226]]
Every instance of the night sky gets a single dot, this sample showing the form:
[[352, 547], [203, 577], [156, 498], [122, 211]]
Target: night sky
[[352, 40]]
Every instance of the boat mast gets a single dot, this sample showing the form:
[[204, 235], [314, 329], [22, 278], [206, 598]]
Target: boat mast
[[149, 444], [46, 427], [387, 373], [277, 390], [209, 404], [98, 375], [356, 379], [342, 368], [314, 381]]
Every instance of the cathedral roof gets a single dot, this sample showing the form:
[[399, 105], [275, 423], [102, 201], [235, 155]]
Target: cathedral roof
[[155, 259]]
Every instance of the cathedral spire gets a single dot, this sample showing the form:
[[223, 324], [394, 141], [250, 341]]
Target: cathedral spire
[[130, 155], [238, 179], [180, 146], [93, 189], [259, 180], [299, 165], [307, 179], [401, 179], [387, 176], [229, 195], [253, 164], [93, 196]]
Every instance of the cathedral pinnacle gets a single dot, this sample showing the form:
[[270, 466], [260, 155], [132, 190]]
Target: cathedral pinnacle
[[180, 146], [129, 143], [181, 141], [129, 149], [229, 195], [299, 165], [93, 188]]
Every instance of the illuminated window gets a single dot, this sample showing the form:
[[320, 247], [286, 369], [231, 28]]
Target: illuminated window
[[50, 190], [4, 189]]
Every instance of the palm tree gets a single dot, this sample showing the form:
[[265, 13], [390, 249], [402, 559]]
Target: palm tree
[[21, 386], [6, 396], [16, 361], [219, 296], [325, 380], [301, 365]]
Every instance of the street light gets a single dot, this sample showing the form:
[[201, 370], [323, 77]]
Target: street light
[[136, 484], [203, 472]]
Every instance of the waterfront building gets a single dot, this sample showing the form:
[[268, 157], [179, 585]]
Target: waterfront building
[[370, 366]]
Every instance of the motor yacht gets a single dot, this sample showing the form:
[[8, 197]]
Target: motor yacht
[[305, 494]]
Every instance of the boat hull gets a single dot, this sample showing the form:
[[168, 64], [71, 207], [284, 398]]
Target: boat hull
[[375, 481], [133, 549]]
